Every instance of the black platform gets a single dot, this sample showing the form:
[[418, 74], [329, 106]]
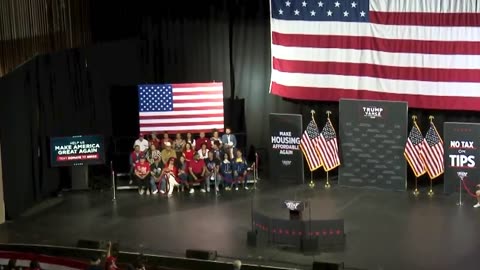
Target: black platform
[[384, 230]]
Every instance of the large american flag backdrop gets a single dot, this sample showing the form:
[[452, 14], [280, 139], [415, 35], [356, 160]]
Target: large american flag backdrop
[[180, 107], [425, 52]]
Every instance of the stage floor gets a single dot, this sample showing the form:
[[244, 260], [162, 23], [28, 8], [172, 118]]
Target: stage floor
[[385, 230]]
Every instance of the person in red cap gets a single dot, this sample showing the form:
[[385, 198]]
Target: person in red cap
[[141, 142]]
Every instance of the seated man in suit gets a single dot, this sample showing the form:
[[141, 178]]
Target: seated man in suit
[[196, 170], [229, 142]]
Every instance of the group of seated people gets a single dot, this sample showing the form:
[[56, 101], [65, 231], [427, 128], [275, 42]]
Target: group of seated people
[[161, 165]]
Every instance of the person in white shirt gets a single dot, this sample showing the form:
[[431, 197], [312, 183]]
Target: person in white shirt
[[142, 143], [203, 151]]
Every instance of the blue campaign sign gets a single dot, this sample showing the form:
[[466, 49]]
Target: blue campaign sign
[[77, 150]]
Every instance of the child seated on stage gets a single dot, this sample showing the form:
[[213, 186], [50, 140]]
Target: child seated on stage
[[212, 164], [217, 153], [182, 166], [240, 168], [226, 172], [156, 172]]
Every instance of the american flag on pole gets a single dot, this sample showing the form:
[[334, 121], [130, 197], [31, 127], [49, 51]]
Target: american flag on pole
[[432, 152], [310, 146], [180, 107], [413, 150], [425, 52], [329, 147]]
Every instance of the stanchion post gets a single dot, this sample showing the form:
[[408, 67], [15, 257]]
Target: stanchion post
[[311, 184], [460, 175], [416, 192], [254, 176], [460, 203], [215, 181], [256, 167], [327, 184], [114, 186], [430, 192]]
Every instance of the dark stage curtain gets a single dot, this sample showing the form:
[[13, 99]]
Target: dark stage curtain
[[61, 94], [30, 27]]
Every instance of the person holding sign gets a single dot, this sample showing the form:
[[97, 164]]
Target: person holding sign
[[141, 175], [229, 142]]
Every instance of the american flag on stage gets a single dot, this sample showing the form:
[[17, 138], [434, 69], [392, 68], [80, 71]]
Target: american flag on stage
[[329, 147], [180, 107], [425, 52], [432, 152], [310, 146], [413, 150]]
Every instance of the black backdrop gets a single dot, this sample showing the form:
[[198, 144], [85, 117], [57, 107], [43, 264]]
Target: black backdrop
[[69, 92]]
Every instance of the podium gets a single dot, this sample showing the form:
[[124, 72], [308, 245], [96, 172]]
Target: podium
[[295, 209], [79, 176]]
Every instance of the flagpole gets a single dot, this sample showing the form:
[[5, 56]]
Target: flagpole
[[430, 192], [327, 184], [312, 184], [415, 192]]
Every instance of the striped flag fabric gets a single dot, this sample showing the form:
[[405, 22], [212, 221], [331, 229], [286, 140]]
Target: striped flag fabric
[[432, 152], [425, 52], [329, 147], [413, 150], [309, 143], [190, 107]]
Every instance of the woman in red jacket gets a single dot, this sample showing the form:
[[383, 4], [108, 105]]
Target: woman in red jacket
[[170, 174], [189, 152]]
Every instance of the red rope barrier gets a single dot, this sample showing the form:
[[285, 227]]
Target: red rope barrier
[[467, 189]]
